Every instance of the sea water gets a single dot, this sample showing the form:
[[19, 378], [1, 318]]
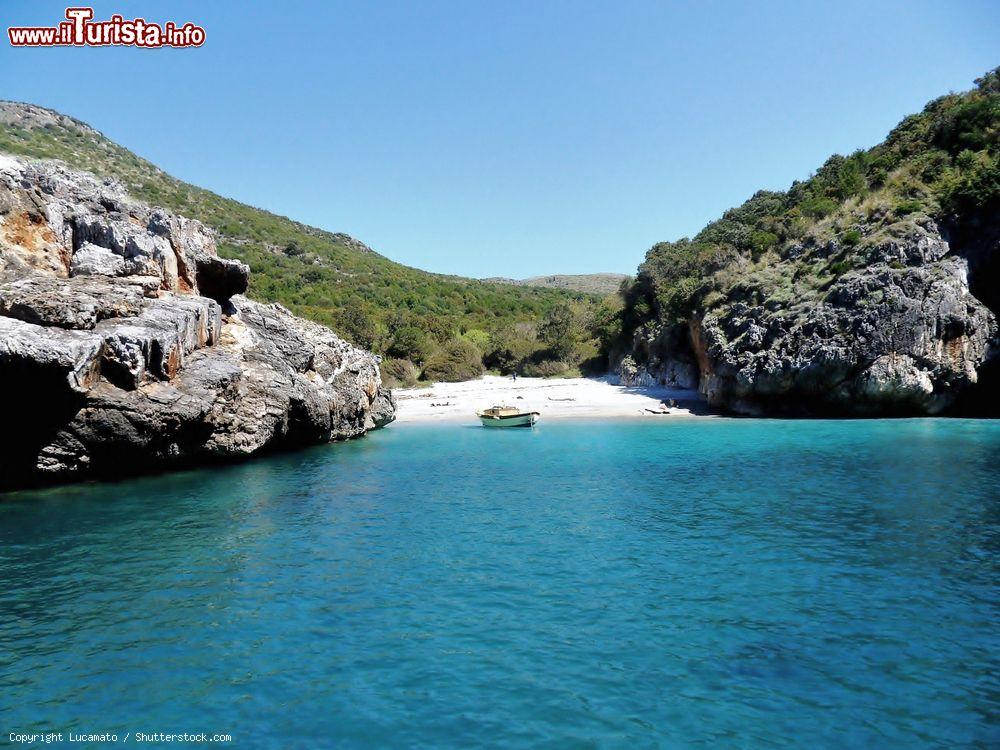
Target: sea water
[[679, 583]]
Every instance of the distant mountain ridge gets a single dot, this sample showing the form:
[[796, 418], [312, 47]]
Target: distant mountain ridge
[[590, 283]]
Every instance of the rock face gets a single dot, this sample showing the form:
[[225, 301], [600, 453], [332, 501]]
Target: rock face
[[126, 344], [901, 333]]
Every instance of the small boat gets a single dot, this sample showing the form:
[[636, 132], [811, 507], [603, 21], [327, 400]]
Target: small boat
[[507, 416]]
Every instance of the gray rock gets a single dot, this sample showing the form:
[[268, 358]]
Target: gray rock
[[68, 361], [901, 334], [93, 260], [667, 356], [129, 347], [383, 407], [77, 303]]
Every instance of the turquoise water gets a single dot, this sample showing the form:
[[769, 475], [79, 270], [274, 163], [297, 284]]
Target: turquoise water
[[709, 583]]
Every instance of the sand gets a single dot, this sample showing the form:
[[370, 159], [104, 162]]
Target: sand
[[553, 398]]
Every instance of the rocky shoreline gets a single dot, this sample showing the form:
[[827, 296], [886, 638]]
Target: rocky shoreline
[[126, 344], [901, 335]]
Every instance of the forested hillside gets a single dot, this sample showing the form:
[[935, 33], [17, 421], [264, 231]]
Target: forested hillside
[[331, 278], [770, 300]]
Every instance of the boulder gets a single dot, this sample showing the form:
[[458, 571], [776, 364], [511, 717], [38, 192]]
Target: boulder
[[221, 278]]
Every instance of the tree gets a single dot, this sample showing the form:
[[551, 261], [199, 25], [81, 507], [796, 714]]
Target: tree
[[851, 178], [357, 326], [606, 323], [478, 337], [558, 330], [509, 348], [409, 342]]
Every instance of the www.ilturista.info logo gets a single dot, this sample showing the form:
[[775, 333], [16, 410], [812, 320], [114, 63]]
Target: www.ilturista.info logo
[[80, 31]]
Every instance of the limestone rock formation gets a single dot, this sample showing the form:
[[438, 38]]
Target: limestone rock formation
[[901, 333], [126, 344]]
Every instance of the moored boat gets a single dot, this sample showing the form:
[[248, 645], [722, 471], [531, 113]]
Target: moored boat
[[507, 416]]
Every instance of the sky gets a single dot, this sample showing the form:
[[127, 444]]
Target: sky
[[501, 137]]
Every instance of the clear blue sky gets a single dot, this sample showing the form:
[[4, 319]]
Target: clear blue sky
[[507, 138]]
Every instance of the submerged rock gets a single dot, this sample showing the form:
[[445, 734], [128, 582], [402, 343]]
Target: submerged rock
[[126, 344]]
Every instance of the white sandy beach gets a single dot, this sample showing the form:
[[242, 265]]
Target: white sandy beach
[[553, 398]]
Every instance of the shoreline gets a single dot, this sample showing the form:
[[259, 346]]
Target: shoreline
[[553, 398]]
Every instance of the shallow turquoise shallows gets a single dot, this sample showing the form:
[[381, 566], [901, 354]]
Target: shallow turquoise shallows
[[688, 583]]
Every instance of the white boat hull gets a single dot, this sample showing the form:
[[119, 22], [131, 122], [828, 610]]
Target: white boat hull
[[516, 420]]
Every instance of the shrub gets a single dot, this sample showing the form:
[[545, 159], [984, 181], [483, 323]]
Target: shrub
[[399, 373], [968, 125], [677, 300], [357, 326], [966, 159], [840, 267], [904, 208], [409, 342], [547, 368], [851, 237], [817, 208], [457, 360], [508, 349], [479, 337], [761, 242], [605, 324], [976, 188], [850, 178]]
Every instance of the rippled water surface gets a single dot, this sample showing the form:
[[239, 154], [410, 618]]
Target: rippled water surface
[[699, 583]]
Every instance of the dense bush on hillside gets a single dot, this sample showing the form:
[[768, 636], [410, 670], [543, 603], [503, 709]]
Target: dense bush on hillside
[[457, 360], [399, 373]]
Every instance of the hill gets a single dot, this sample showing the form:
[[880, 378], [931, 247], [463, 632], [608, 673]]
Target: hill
[[327, 277], [869, 288], [589, 283]]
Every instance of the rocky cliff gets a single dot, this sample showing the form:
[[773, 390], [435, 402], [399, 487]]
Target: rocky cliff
[[903, 334], [869, 289], [126, 344], [900, 334]]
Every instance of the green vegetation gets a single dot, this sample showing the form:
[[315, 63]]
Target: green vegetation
[[592, 283], [559, 332], [401, 373], [458, 359], [941, 164], [430, 320]]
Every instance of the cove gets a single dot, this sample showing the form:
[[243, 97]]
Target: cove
[[698, 583]]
